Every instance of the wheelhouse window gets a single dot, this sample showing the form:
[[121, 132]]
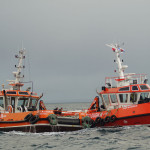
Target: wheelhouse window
[[124, 89], [133, 97], [144, 87], [143, 96], [123, 98], [106, 99], [1, 102], [135, 88], [113, 98], [23, 102], [11, 92], [23, 93], [33, 102]]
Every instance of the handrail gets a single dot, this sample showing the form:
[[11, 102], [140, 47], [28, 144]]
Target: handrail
[[127, 78]]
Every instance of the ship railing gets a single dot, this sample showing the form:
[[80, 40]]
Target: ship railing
[[128, 79]]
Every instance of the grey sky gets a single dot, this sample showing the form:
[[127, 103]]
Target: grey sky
[[65, 41]]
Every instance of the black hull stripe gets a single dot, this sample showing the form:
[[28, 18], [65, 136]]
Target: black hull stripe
[[66, 121], [20, 121], [127, 117]]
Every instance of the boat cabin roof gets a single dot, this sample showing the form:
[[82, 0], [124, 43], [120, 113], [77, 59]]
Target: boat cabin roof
[[127, 89], [16, 93]]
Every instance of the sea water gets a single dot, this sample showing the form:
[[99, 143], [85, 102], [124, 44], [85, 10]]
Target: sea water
[[123, 138]]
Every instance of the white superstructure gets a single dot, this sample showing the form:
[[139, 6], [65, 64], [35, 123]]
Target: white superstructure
[[124, 79], [16, 84]]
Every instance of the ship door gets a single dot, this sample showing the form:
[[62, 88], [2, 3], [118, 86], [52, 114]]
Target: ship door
[[13, 103]]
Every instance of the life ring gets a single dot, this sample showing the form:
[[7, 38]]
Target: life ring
[[52, 118], [34, 119], [9, 108], [97, 120], [107, 119], [27, 117], [113, 118], [87, 122]]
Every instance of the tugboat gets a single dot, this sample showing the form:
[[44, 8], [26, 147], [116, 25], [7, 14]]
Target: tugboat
[[125, 99], [19, 108]]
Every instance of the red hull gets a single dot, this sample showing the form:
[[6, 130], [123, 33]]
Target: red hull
[[131, 115], [128, 121], [138, 114]]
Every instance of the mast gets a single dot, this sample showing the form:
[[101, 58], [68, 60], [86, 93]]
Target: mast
[[118, 50], [17, 74], [16, 84]]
